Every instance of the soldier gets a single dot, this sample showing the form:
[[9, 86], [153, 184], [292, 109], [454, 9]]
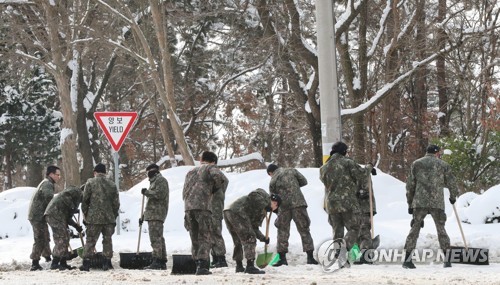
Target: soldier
[[200, 185], [424, 194], [286, 183], [38, 205], [341, 177], [155, 214], [100, 207], [59, 215], [243, 219], [218, 245]]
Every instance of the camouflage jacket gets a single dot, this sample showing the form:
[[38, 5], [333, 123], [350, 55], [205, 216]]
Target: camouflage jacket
[[426, 180], [40, 199], [200, 184], [286, 182], [252, 208], [157, 193], [342, 177], [218, 201], [62, 207], [101, 201]]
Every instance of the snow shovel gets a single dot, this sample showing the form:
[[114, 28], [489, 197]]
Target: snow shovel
[[137, 260], [376, 240], [183, 264], [265, 259], [467, 255]]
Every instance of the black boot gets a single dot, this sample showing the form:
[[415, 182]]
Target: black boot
[[251, 269], [202, 267], [163, 264], [106, 264], [156, 265], [35, 265], [408, 263], [310, 257], [366, 257], [239, 266], [63, 265], [219, 261], [85, 265], [447, 258], [282, 260], [55, 263]]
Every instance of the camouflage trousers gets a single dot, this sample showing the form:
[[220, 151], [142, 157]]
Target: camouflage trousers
[[41, 246], [350, 221], [218, 245], [244, 238], [302, 222], [157, 239], [365, 235], [439, 217], [93, 231], [198, 224], [60, 235]]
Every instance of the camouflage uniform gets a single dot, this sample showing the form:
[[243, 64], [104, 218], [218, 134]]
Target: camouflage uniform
[[200, 184], [365, 236], [38, 204], [341, 177], [100, 207], [156, 213], [424, 193], [218, 245], [287, 183], [243, 219], [59, 215]]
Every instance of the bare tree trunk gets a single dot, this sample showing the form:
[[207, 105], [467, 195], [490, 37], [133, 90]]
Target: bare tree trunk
[[34, 174], [7, 182], [160, 27], [420, 78], [69, 131], [390, 122], [441, 74]]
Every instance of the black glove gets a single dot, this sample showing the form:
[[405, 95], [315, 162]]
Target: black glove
[[143, 190], [76, 211], [277, 198], [268, 209], [453, 200], [78, 228], [84, 223], [267, 240], [140, 221], [410, 211], [362, 194], [374, 171]]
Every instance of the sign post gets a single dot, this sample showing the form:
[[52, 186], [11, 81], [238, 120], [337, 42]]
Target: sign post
[[116, 126]]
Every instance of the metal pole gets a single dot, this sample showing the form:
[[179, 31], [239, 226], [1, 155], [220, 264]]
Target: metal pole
[[117, 182], [331, 128]]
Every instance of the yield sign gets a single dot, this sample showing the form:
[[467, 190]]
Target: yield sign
[[116, 126]]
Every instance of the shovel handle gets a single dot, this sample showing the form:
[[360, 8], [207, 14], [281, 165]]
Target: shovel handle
[[370, 191], [460, 226], [268, 220], [140, 226]]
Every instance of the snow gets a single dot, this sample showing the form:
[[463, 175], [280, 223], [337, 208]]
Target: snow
[[391, 223]]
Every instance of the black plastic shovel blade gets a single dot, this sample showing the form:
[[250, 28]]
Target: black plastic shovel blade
[[183, 264], [473, 256], [132, 260]]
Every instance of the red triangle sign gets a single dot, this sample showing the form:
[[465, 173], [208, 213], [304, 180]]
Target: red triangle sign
[[116, 126]]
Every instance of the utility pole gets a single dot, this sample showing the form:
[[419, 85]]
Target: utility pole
[[331, 127]]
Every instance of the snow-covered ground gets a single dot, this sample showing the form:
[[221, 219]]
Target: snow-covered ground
[[391, 223]]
